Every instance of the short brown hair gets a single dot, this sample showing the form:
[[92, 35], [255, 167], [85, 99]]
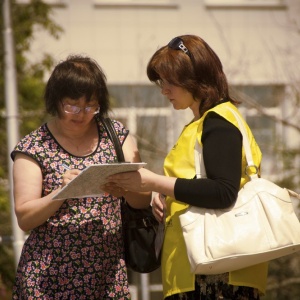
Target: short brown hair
[[200, 72], [76, 77]]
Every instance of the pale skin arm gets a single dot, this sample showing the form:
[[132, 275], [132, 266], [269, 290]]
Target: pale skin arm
[[136, 198], [31, 209]]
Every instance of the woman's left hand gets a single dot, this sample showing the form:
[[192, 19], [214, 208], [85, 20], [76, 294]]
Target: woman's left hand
[[138, 181]]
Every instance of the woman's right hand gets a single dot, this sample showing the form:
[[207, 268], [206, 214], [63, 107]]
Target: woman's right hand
[[159, 207], [69, 175]]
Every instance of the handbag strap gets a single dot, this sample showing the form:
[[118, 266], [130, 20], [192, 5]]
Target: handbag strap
[[199, 162], [111, 131], [198, 151], [246, 142]]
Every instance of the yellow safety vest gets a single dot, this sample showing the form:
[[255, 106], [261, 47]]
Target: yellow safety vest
[[179, 163]]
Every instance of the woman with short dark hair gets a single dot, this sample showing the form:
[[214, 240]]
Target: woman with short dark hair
[[75, 248]]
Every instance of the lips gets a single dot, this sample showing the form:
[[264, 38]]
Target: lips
[[77, 122]]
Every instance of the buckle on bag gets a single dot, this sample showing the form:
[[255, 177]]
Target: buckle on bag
[[249, 170], [147, 222]]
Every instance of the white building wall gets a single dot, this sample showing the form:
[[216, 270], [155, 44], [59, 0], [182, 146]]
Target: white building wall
[[256, 44]]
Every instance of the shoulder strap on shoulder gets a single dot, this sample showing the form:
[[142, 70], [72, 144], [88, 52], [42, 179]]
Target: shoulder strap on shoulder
[[114, 138]]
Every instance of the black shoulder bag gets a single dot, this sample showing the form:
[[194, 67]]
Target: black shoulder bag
[[139, 225]]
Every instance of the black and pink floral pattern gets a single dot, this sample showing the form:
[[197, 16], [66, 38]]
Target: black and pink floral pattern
[[78, 253]]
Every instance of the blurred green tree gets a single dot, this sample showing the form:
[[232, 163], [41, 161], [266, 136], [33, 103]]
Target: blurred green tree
[[25, 19]]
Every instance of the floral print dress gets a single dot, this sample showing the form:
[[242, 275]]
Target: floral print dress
[[78, 253]]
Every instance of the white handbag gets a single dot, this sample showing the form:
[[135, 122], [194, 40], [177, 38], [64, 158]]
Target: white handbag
[[261, 225]]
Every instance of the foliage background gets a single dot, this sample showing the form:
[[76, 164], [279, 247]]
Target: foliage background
[[30, 83]]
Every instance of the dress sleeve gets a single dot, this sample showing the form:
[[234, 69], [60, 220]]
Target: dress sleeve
[[32, 145], [222, 154]]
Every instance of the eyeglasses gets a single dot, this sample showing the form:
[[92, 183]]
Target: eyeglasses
[[73, 109], [177, 44], [163, 83]]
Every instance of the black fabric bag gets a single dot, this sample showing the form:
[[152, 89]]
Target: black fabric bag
[[139, 225]]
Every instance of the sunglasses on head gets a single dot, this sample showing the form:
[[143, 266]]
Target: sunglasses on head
[[177, 44]]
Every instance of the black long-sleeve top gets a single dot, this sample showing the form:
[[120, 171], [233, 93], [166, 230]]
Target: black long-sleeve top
[[222, 154]]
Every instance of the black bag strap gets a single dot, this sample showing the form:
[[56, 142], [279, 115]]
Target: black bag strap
[[114, 138]]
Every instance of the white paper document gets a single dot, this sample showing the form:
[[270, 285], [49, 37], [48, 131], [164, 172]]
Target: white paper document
[[89, 181]]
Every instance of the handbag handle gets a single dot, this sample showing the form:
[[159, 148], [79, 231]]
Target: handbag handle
[[198, 151], [111, 131], [199, 162], [249, 158], [246, 142]]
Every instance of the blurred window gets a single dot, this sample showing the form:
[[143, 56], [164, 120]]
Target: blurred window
[[166, 3], [245, 3]]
